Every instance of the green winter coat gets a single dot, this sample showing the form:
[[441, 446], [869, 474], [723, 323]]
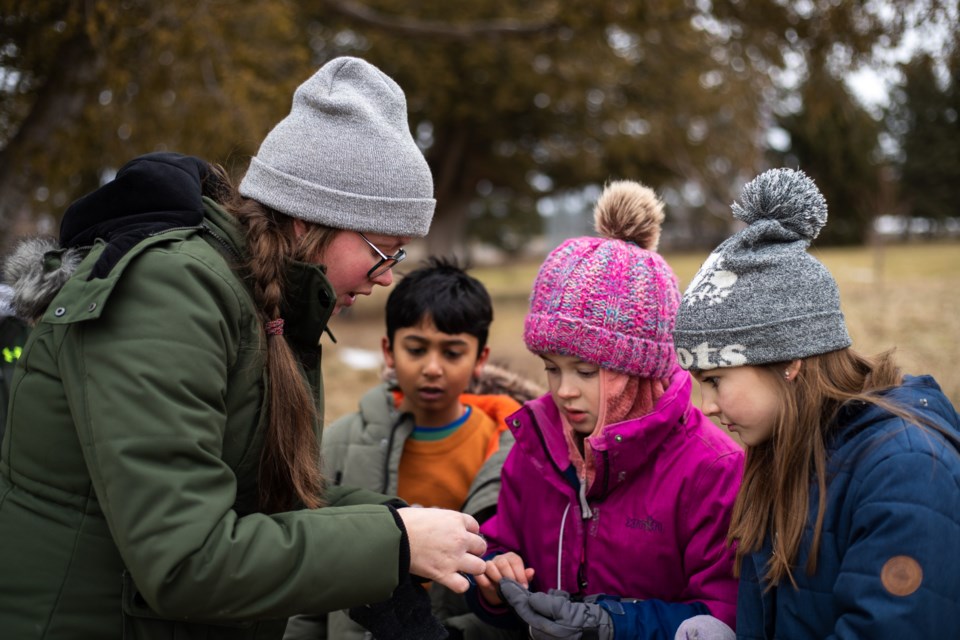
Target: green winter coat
[[128, 471]]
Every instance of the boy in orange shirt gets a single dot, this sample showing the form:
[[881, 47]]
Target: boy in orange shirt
[[426, 438]]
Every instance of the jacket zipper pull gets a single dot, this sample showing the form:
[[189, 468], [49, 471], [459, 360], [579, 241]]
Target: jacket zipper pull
[[585, 511]]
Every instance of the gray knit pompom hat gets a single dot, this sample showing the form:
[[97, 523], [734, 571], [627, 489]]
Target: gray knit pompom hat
[[760, 297], [344, 156]]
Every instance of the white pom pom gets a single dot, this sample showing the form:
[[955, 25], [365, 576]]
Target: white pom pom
[[785, 195]]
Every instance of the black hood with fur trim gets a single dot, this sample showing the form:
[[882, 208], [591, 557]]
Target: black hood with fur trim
[[150, 194]]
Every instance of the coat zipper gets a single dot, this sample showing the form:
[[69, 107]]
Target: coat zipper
[[386, 458], [223, 241], [586, 513]]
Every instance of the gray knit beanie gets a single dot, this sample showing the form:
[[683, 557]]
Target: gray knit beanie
[[344, 156], [760, 297]]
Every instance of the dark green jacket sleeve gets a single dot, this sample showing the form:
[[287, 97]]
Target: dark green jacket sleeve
[[339, 496], [146, 383]]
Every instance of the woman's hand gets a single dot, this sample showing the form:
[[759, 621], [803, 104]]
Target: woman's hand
[[506, 565], [443, 544]]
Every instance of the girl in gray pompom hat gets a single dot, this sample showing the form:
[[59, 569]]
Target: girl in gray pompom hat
[[160, 467], [847, 523]]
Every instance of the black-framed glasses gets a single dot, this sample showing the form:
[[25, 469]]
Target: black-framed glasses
[[386, 262]]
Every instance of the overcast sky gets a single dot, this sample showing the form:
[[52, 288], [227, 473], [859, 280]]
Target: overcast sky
[[872, 84]]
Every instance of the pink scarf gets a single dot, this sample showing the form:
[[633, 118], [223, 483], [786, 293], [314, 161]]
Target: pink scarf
[[622, 397]]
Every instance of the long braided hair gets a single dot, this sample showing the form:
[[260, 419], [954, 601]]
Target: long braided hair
[[289, 471]]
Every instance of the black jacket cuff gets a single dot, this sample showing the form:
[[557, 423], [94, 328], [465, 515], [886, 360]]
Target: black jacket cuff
[[404, 546]]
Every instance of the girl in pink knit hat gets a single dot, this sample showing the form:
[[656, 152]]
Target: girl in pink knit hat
[[615, 501]]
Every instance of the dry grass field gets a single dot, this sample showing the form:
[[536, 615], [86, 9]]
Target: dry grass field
[[903, 296]]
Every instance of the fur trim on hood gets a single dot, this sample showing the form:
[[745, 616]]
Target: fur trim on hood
[[498, 379], [36, 270]]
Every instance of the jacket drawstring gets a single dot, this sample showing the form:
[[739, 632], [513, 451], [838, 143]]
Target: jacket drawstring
[[563, 523]]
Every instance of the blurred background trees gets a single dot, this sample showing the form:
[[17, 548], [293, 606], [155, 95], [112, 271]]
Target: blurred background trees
[[521, 108], [928, 109], [87, 84]]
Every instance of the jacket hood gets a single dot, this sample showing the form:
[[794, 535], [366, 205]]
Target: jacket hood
[[499, 379], [6, 294], [150, 194], [919, 395]]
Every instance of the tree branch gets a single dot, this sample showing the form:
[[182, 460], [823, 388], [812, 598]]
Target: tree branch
[[414, 28], [58, 105]]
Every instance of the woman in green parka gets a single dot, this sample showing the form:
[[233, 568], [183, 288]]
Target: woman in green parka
[[159, 476]]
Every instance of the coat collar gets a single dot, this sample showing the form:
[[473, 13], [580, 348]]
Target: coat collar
[[310, 297], [919, 395], [630, 444]]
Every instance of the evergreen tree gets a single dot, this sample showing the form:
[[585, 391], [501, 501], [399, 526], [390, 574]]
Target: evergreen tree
[[88, 85], [511, 101], [928, 109], [835, 141]]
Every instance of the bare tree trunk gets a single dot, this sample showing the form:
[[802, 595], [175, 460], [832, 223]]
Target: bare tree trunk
[[59, 106], [448, 232]]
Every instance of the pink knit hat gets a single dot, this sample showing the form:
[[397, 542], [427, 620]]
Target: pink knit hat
[[610, 300]]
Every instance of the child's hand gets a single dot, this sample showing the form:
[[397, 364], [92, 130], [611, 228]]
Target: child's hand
[[506, 565]]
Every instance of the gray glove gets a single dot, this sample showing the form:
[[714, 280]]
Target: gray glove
[[552, 615], [704, 628]]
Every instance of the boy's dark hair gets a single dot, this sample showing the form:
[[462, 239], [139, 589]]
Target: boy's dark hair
[[441, 290]]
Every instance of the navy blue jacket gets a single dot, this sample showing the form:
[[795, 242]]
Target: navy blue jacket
[[889, 561]]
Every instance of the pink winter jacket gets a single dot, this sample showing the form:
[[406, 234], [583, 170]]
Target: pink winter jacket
[[655, 520]]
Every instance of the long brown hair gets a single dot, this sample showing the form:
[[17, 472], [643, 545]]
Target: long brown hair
[[774, 496], [289, 472]]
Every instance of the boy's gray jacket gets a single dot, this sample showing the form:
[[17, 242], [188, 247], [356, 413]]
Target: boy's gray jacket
[[363, 449], [128, 475]]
